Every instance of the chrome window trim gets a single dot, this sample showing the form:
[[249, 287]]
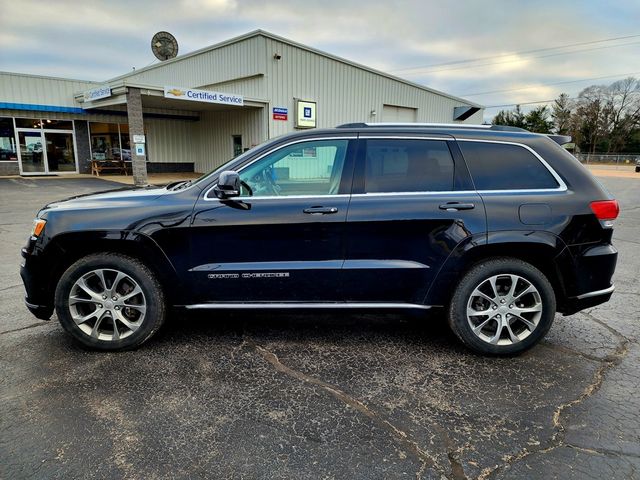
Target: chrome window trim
[[435, 192], [206, 197], [305, 305], [276, 197], [562, 187]]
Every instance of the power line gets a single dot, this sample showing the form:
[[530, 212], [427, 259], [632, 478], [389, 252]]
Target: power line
[[521, 52], [520, 103], [548, 84], [519, 59]]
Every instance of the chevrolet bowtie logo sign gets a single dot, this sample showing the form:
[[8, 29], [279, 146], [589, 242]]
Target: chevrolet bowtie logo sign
[[203, 96], [176, 92]]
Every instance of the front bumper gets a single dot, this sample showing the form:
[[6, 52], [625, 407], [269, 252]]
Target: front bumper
[[38, 300]]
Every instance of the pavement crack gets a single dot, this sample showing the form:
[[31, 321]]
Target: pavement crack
[[10, 287], [400, 436], [39, 324], [602, 451], [557, 438]]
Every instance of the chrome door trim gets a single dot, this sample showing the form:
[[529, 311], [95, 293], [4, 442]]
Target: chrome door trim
[[293, 305]]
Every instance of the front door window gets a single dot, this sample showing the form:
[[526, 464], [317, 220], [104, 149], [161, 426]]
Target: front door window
[[305, 168]]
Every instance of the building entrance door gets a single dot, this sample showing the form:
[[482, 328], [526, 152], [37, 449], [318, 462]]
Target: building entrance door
[[59, 151], [31, 152]]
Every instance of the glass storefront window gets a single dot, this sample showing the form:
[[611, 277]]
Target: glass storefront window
[[28, 123], [110, 141], [125, 141], [57, 124], [105, 141], [7, 140]]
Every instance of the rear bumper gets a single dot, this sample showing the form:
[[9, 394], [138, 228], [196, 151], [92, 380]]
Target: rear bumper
[[588, 299], [588, 276]]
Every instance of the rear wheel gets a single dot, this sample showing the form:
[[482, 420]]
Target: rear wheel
[[109, 301], [502, 306]]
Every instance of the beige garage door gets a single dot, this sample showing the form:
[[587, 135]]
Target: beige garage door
[[392, 113]]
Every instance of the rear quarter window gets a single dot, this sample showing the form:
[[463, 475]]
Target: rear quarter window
[[498, 166]]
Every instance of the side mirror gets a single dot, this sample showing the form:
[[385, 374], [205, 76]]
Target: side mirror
[[228, 185]]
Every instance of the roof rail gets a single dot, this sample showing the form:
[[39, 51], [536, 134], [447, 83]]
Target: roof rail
[[433, 125]]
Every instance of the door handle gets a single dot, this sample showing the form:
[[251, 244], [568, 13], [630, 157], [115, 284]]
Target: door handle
[[455, 206], [320, 210]]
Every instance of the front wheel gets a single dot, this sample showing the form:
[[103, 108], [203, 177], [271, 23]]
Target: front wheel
[[109, 301], [502, 306]]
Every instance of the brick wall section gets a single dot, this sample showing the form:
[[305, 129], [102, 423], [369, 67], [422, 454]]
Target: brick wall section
[[82, 143], [136, 127], [9, 168]]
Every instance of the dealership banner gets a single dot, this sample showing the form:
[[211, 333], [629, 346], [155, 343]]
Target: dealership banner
[[207, 96]]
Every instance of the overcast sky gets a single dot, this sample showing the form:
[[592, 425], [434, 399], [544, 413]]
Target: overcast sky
[[98, 40]]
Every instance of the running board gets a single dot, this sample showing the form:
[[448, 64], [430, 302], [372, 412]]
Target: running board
[[275, 305]]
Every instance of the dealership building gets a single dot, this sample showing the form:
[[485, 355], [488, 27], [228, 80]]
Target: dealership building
[[196, 111]]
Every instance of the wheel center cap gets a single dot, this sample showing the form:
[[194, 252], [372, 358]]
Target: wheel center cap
[[108, 304]]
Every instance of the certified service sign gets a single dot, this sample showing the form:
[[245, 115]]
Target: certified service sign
[[207, 96], [305, 114], [97, 93]]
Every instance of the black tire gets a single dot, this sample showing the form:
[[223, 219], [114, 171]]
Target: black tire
[[477, 275], [637, 169], [150, 323]]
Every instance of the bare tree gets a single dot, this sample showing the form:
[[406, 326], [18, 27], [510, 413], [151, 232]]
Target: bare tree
[[592, 112], [623, 109]]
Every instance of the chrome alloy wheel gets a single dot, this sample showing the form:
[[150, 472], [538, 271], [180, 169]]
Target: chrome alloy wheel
[[107, 304], [504, 309]]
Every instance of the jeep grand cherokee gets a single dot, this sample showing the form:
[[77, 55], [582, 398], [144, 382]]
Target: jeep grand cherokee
[[498, 228]]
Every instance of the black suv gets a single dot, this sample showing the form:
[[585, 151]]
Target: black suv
[[498, 228]]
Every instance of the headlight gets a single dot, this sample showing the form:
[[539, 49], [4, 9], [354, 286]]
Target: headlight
[[38, 227]]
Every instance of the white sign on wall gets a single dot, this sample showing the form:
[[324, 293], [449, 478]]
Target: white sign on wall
[[207, 96], [97, 93], [305, 114]]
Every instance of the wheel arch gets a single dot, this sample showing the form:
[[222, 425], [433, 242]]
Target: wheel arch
[[65, 249], [540, 249]]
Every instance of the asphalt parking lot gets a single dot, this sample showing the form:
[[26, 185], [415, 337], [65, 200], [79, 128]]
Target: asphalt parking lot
[[337, 395]]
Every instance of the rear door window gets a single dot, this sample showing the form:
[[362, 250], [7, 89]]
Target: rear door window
[[402, 165], [498, 166]]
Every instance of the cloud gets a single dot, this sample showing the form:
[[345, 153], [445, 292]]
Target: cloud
[[99, 40]]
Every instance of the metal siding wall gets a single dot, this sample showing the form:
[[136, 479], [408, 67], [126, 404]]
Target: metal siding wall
[[238, 60], [344, 93], [171, 141], [16, 88], [215, 130]]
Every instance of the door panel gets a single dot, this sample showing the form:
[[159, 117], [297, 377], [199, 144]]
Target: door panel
[[397, 240], [283, 239], [397, 243], [267, 249]]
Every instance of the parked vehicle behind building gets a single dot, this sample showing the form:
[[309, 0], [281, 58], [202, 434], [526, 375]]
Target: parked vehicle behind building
[[500, 229]]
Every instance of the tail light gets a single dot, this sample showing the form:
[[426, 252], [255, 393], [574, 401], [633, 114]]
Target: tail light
[[606, 211]]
